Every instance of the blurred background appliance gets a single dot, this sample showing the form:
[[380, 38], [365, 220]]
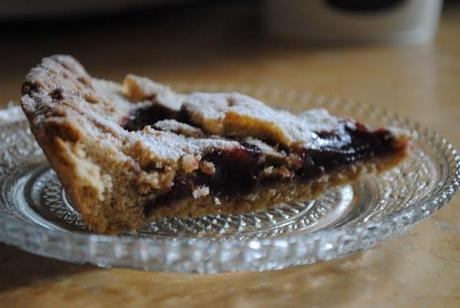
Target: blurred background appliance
[[408, 21]]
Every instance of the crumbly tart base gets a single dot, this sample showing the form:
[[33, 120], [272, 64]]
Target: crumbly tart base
[[112, 174], [269, 197]]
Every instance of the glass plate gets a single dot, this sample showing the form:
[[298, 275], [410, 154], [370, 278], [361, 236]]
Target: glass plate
[[35, 214]]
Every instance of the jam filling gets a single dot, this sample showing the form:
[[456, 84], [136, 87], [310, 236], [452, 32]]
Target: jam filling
[[141, 117], [240, 170]]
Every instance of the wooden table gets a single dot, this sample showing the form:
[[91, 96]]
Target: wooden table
[[224, 44]]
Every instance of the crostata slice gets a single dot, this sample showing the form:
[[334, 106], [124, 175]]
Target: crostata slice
[[128, 153]]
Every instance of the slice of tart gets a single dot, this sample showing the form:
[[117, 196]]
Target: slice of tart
[[128, 153]]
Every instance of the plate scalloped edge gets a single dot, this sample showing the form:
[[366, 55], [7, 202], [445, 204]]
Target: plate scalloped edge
[[222, 254]]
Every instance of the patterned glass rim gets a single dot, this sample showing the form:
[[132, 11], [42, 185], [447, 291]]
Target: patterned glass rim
[[231, 253]]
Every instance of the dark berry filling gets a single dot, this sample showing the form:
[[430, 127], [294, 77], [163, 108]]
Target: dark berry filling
[[241, 170], [236, 171], [140, 118], [364, 145]]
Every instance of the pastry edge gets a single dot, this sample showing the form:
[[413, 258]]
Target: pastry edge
[[87, 192]]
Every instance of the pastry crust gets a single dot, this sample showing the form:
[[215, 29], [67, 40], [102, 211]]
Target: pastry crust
[[120, 175]]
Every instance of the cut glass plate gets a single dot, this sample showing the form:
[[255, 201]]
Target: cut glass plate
[[36, 215]]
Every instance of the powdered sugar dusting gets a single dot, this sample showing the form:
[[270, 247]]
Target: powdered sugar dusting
[[141, 88], [97, 107], [319, 120], [239, 115], [178, 127], [170, 146]]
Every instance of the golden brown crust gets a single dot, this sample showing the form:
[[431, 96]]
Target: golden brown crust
[[61, 126], [112, 175]]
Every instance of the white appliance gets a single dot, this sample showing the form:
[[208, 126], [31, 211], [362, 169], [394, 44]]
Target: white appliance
[[408, 21]]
